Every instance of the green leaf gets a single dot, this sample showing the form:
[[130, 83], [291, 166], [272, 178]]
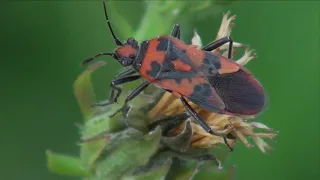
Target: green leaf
[[91, 151], [136, 117], [180, 142], [155, 173], [220, 153], [126, 29], [65, 165], [128, 155], [156, 12], [95, 134], [213, 173], [83, 90], [102, 124], [183, 170]]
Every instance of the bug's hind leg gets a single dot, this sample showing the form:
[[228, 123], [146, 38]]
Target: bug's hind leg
[[201, 122], [218, 43], [176, 31], [196, 116]]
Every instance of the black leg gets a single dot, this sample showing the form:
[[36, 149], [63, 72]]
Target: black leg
[[116, 91], [216, 44], [176, 31], [131, 96], [226, 142], [169, 122], [127, 72], [200, 121]]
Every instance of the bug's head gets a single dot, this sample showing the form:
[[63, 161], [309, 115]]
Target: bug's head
[[126, 53]]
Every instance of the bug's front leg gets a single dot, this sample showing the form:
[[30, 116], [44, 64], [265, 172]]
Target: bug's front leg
[[115, 90], [201, 122], [131, 96], [126, 72]]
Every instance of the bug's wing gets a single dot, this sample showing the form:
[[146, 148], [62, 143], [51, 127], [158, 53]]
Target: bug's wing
[[235, 91], [240, 91], [194, 87], [176, 53]]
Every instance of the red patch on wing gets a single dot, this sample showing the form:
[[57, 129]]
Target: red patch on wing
[[227, 66], [177, 42], [179, 65], [197, 56], [185, 87]]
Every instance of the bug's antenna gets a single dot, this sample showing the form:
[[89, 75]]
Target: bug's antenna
[[86, 61], [117, 41]]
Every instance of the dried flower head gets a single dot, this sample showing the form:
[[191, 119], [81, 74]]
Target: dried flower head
[[237, 127]]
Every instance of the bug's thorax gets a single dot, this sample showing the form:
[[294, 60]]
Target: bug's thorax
[[151, 56], [140, 55], [158, 55]]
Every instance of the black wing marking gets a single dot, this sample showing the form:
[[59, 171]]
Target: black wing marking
[[176, 53], [211, 64], [193, 87], [236, 93], [175, 75]]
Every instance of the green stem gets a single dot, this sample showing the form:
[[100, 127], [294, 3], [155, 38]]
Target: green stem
[[153, 22]]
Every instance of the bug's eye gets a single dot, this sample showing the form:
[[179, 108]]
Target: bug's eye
[[131, 40]]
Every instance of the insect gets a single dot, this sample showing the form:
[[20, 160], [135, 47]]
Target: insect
[[210, 80]]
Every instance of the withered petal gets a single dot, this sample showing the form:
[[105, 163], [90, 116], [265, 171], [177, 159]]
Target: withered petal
[[180, 142], [260, 126]]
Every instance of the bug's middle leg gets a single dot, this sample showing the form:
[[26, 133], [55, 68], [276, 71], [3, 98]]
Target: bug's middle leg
[[176, 31], [201, 122], [218, 43], [115, 90]]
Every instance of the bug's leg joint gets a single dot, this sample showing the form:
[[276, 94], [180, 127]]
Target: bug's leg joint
[[131, 96], [218, 43], [176, 31], [115, 90]]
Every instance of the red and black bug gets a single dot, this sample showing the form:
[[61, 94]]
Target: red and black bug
[[209, 80]]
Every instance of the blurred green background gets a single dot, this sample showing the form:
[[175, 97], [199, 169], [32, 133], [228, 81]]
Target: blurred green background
[[42, 44]]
